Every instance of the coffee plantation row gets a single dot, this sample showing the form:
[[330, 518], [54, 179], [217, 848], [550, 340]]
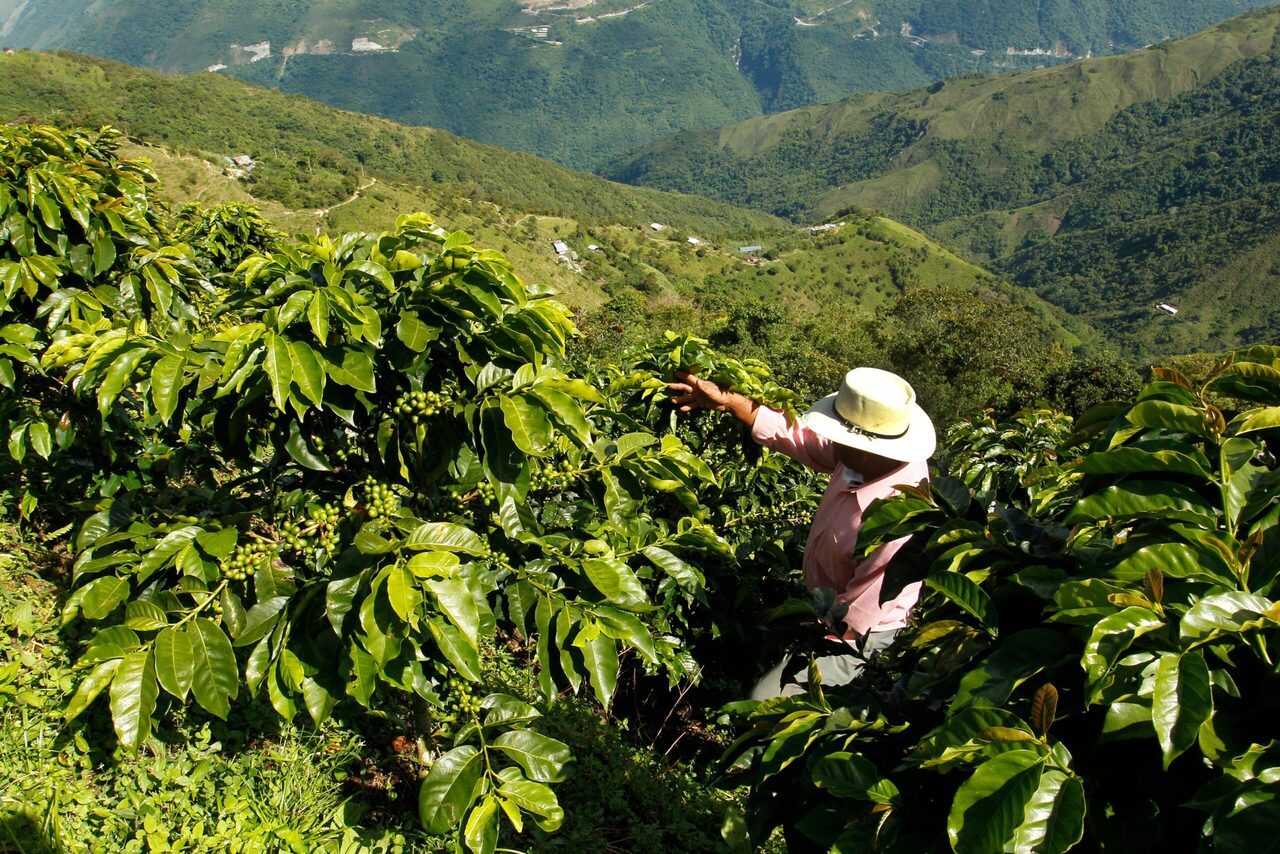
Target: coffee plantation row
[[340, 470]]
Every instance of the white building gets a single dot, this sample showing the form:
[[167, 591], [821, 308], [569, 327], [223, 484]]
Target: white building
[[656, 226], [1167, 309], [363, 44], [694, 241]]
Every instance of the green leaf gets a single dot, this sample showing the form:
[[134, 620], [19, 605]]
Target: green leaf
[[1254, 420], [454, 599], [848, 775], [615, 580], [102, 597], [91, 686], [402, 590], [166, 385], [537, 799], [566, 411], [601, 657], [1177, 560], [1168, 416], [133, 699], [118, 376], [1182, 701], [689, 579], [961, 727], [260, 620], [173, 661], [1054, 818], [968, 595], [374, 271], [989, 807], [447, 537], [1224, 613], [456, 648], [415, 334], [38, 435], [1018, 657], [143, 616], [215, 679], [449, 789], [1111, 636], [307, 371], [627, 627], [1251, 826], [1140, 498], [505, 710], [319, 700], [481, 830], [278, 365], [530, 429], [166, 550], [542, 758], [1133, 460], [301, 451], [318, 317]]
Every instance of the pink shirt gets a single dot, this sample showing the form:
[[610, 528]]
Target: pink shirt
[[829, 559]]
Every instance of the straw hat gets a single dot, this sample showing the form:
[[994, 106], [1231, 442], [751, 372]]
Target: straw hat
[[875, 411]]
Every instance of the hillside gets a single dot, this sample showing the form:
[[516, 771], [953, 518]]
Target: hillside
[[311, 156], [1107, 185], [584, 81]]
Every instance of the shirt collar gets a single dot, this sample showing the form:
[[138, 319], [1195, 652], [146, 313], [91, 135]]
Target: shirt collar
[[881, 487]]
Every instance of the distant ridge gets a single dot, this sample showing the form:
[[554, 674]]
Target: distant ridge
[[220, 115], [1107, 186]]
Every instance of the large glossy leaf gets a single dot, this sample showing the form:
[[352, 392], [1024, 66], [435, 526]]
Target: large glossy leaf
[[456, 648], [1053, 820], [616, 581], [166, 385], [91, 686], [260, 620], [456, 602], [215, 680], [1225, 613], [848, 775], [1168, 416], [403, 592], [959, 729], [133, 699], [166, 550], [991, 805], [600, 654], [1177, 560], [1139, 498], [527, 421], [1018, 657], [1111, 636], [481, 830], [1182, 701], [173, 661], [968, 595], [448, 537], [1126, 460], [537, 799], [278, 365], [449, 789], [542, 758], [102, 596], [1251, 826]]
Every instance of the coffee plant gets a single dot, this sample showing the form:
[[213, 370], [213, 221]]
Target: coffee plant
[[1093, 659], [337, 470]]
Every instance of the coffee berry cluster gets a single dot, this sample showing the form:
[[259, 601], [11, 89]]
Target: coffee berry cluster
[[315, 530], [460, 704], [486, 493], [246, 558], [417, 405], [380, 500], [553, 476]]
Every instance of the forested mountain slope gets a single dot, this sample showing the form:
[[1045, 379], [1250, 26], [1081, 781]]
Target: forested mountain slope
[[1108, 185], [586, 80], [311, 155]]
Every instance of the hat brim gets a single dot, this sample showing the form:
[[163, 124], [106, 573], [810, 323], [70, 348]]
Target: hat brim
[[916, 444]]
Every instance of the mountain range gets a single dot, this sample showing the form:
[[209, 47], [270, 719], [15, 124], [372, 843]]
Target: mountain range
[[1109, 186], [583, 81]]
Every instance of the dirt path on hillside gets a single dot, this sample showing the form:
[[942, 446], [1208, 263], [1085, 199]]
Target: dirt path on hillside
[[354, 196]]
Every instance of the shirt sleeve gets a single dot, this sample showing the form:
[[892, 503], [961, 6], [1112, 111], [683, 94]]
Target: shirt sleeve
[[795, 440]]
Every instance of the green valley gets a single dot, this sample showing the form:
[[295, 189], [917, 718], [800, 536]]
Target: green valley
[[1108, 186], [582, 82]]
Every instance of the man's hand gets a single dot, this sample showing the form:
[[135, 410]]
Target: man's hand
[[694, 393]]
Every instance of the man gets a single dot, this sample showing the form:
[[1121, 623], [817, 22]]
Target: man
[[870, 436]]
